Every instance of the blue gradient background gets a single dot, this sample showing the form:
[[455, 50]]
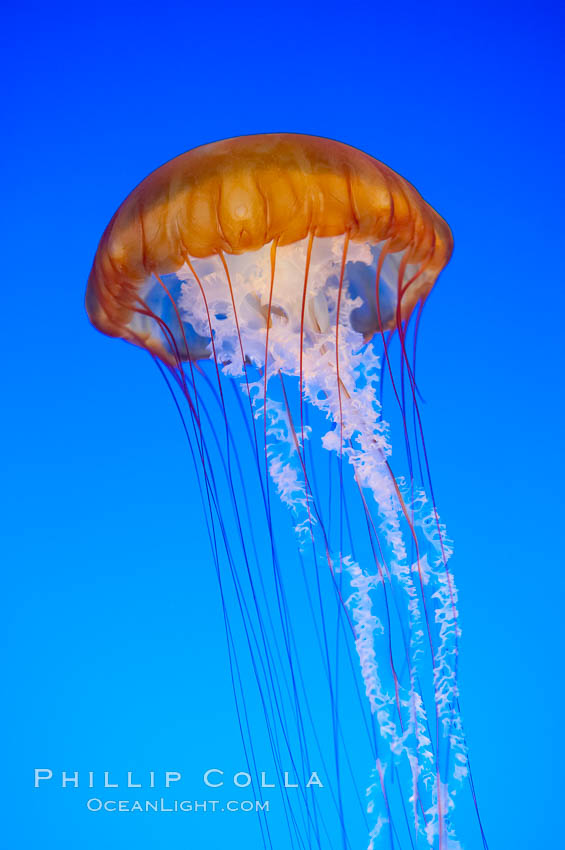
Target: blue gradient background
[[105, 633]]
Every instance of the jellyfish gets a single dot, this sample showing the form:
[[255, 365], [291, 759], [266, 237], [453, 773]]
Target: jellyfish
[[278, 281]]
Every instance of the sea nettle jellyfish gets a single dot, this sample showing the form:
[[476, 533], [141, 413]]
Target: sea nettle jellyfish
[[277, 281]]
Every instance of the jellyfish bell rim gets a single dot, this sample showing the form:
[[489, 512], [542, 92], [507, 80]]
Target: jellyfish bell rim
[[240, 194]]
